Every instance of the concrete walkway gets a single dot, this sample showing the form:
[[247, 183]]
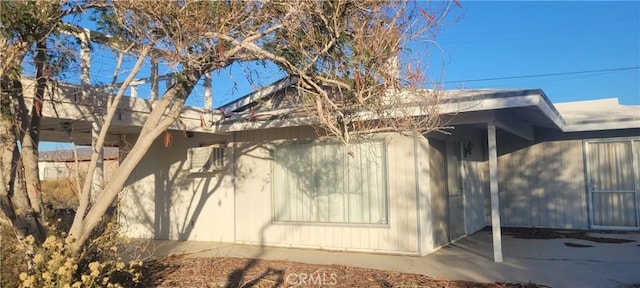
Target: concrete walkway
[[547, 262]]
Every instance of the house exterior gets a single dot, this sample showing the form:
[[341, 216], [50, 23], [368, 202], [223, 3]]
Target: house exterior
[[512, 159]]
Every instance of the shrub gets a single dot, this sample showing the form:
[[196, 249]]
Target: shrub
[[12, 263], [98, 265]]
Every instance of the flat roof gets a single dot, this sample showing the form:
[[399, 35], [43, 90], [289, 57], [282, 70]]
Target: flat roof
[[530, 106]]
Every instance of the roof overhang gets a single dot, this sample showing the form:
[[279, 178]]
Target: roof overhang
[[519, 112], [516, 111]]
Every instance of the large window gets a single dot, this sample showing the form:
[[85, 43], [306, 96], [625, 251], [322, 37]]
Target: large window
[[320, 182]]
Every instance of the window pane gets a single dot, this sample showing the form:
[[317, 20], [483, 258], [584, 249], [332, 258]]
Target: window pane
[[319, 182]]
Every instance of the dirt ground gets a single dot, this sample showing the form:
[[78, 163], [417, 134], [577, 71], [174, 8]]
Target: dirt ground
[[182, 271]]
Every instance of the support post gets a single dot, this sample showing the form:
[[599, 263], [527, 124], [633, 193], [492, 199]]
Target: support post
[[134, 91], [495, 197]]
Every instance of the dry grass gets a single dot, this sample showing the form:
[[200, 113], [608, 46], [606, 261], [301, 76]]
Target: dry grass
[[59, 193]]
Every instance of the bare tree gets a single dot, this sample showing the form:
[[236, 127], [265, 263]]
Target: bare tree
[[345, 55]]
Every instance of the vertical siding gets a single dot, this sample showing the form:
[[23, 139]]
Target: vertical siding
[[423, 188], [254, 206], [438, 190], [474, 174], [474, 177], [542, 184], [475, 180]]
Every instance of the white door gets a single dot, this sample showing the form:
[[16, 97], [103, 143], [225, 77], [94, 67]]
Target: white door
[[613, 183]]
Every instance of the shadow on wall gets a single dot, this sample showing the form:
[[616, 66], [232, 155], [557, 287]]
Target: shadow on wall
[[164, 198], [469, 144], [166, 201], [541, 184]]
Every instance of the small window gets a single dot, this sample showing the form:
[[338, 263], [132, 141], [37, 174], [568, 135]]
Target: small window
[[209, 158], [319, 182]]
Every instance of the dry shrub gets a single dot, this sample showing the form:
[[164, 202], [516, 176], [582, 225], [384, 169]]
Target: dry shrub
[[12, 263], [54, 265]]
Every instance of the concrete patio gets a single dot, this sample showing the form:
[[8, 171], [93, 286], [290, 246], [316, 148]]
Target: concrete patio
[[548, 262]]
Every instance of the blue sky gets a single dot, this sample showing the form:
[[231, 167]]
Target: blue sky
[[506, 39], [495, 39]]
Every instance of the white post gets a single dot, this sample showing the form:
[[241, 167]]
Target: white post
[[154, 79], [134, 91], [208, 103], [495, 197], [98, 174]]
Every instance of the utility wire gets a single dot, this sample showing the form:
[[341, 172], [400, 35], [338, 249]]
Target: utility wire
[[544, 75]]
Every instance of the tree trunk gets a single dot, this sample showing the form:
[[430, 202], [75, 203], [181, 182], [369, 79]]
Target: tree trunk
[[157, 122], [15, 201], [31, 138], [22, 200]]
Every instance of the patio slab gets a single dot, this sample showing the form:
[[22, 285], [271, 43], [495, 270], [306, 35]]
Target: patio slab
[[542, 261]]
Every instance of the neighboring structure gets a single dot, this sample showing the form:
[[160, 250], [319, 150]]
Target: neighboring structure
[[513, 159], [60, 164]]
